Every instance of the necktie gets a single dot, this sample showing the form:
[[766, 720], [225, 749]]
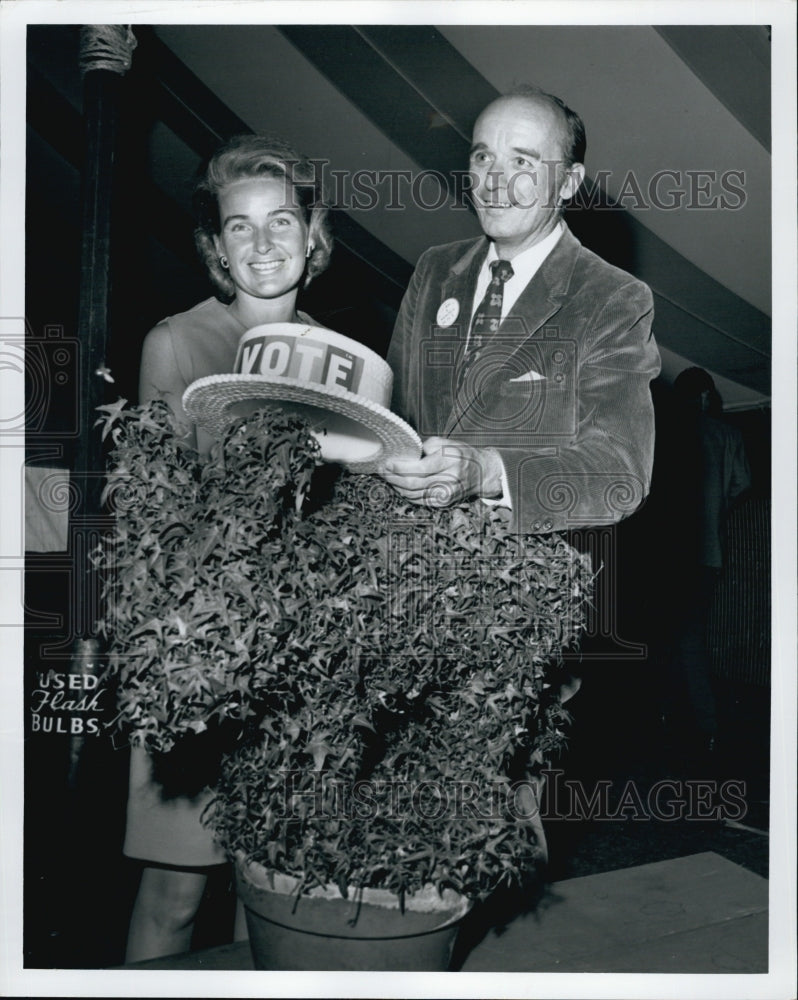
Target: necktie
[[487, 317]]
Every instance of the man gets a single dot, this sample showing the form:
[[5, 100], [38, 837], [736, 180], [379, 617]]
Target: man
[[535, 395], [703, 473]]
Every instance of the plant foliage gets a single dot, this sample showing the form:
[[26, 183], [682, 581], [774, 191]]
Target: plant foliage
[[389, 670]]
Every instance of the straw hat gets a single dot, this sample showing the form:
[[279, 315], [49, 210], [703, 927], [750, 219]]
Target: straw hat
[[340, 386]]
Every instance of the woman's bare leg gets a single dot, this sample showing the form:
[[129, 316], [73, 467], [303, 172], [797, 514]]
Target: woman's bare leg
[[163, 915], [240, 931]]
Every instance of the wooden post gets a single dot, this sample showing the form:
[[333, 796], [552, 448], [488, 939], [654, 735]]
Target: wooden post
[[105, 55]]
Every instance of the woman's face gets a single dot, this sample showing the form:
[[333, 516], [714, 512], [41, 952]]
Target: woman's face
[[263, 235]]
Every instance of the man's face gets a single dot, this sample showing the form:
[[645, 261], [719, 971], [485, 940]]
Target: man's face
[[518, 172]]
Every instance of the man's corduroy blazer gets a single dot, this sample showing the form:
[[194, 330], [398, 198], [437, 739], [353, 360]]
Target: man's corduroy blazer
[[561, 390]]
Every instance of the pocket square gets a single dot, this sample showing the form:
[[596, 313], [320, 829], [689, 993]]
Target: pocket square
[[530, 376]]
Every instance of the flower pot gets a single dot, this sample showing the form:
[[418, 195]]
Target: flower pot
[[368, 931]]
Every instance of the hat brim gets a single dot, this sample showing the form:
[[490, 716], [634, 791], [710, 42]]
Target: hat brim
[[351, 430]]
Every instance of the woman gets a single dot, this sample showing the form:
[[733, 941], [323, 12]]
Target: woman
[[263, 232]]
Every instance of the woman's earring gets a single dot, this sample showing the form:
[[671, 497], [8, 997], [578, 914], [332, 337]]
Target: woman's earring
[[309, 250], [224, 262]]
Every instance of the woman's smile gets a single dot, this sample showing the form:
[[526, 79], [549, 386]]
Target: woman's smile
[[267, 266]]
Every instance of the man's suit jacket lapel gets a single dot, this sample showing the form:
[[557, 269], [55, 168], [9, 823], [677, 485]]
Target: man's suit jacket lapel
[[544, 294], [459, 284], [535, 306]]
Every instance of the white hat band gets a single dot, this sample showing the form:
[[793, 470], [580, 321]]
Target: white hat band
[[333, 363]]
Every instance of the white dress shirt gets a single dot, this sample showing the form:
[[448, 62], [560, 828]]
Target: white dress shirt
[[525, 266]]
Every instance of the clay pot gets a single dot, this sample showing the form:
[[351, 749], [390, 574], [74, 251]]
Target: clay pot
[[366, 932]]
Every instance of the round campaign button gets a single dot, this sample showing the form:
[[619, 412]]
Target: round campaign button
[[448, 312]]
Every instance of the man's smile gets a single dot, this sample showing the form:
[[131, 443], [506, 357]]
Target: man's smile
[[494, 203]]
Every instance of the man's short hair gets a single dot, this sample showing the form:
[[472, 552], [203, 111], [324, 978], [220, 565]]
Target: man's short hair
[[574, 139]]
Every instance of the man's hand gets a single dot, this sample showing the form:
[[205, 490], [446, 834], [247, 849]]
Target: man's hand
[[448, 472]]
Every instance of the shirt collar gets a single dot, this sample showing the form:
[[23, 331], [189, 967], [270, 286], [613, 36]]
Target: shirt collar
[[526, 263]]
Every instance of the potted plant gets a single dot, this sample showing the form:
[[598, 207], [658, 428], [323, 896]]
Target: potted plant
[[376, 680]]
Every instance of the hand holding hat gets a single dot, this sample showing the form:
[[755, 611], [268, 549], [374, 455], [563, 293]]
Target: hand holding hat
[[340, 386]]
